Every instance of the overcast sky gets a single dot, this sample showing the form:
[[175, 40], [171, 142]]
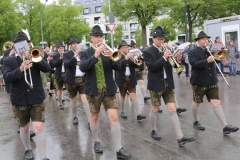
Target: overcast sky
[[50, 1]]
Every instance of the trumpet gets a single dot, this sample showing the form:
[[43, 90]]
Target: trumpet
[[115, 55], [137, 56], [173, 62]]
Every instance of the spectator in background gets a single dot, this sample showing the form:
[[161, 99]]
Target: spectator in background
[[232, 60], [220, 63]]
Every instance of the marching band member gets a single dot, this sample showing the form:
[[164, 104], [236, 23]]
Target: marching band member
[[126, 80], [139, 74], [204, 82], [74, 79], [161, 84], [59, 72], [101, 88], [27, 102]]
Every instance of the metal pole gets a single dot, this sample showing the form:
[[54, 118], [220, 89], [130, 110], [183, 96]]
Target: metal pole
[[109, 8], [41, 20], [185, 19]]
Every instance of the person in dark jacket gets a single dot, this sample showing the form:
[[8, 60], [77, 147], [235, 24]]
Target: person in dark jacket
[[74, 79], [126, 80], [59, 73], [101, 88], [161, 84], [204, 82], [27, 102]]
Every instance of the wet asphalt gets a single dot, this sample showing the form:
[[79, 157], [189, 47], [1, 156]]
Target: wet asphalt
[[68, 142]]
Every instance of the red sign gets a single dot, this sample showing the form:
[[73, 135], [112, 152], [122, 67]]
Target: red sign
[[111, 27]]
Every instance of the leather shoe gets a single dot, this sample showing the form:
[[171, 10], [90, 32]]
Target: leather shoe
[[179, 110], [159, 110], [50, 94], [123, 115], [122, 154], [155, 135], [184, 140], [28, 155], [140, 117], [63, 100], [18, 131], [146, 98], [75, 121], [89, 126], [98, 147], [61, 107], [32, 134], [228, 129], [198, 126]]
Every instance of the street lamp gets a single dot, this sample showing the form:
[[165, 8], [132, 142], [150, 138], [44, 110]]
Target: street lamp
[[42, 43]]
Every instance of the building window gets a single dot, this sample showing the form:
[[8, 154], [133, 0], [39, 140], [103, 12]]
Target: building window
[[77, 4], [107, 29], [132, 35], [107, 19], [97, 20], [87, 3], [125, 36], [101, 1], [87, 21], [133, 26], [94, 1], [98, 9], [125, 26], [86, 11], [150, 25]]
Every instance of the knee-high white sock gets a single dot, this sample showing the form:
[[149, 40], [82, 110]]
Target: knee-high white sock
[[136, 106], [153, 119], [87, 110], [143, 90], [41, 144], [195, 112], [177, 106], [25, 137], [122, 104], [176, 123], [74, 108], [116, 136], [219, 113], [94, 130], [59, 99]]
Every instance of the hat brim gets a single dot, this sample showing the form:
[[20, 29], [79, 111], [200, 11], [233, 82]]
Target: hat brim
[[158, 35], [74, 42], [96, 34], [205, 36], [61, 46], [123, 45]]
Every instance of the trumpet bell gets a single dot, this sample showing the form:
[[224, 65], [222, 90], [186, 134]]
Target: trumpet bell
[[180, 69], [220, 55], [7, 45], [116, 56], [36, 54]]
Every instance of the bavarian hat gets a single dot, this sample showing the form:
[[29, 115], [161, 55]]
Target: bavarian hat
[[133, 43], [21, 36], [13, 37], [201, 35], [96, 31], [123, 43], [158, 31], [73, 40], [60, 44]]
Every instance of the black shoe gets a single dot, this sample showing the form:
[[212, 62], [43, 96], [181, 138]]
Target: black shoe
[[180, 110], [228, 129], [122, 154], [159, 110], [61, 107], [63, 100], [32, 134], [89, 126], [123, 115], [75, 121], [198, 126], [146, 98], [140, 117], [184, 140], [50, 94], [28, 155], [45, 159], [155, 135], [98, 147], [18, 131]]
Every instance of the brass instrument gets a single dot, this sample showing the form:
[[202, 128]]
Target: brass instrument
[[115, 55], [52, 47], [137, 56], [7, 45], [172, 60], [219, 54]]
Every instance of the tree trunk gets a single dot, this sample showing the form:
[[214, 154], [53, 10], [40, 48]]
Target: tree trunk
[[144, 36], [190, 27]]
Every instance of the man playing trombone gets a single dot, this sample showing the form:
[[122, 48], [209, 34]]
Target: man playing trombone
[[27, 102], [126, 80], [101, 88], [204, 82], [161, 84]]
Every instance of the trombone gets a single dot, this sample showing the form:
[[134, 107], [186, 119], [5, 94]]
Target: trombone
[[208, 49], [115, 55]]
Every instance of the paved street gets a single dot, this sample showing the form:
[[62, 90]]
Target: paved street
[[68, 142]]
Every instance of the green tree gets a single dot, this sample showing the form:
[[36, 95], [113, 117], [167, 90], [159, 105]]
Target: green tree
[[168, 27], [117, 35], [144, 11], [138, 36], [9, 21]]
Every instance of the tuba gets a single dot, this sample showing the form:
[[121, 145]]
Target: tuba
[[115, 55], [7, 45]]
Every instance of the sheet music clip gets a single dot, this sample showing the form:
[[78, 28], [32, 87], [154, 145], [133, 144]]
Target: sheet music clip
[[21, 47]]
